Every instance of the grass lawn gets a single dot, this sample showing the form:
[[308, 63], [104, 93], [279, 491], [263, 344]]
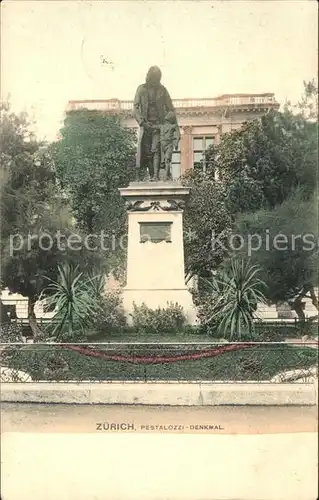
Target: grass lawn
[[266, 331], [259, 362], [151, 338]]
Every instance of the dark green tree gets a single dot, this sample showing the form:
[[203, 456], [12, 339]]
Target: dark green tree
[[94, 158], [283, 243], [30, 208], [263, 162], [205, 219], [267, 169]]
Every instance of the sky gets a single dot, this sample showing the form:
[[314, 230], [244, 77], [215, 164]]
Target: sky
[[53, 51]]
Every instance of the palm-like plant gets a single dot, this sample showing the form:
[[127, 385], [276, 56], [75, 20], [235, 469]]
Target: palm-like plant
[[75, 300], [96, 283], [235, 293]]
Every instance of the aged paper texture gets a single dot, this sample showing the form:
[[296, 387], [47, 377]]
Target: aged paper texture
[[159, 242]]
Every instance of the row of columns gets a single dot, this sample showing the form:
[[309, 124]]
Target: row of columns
[[186, 146]]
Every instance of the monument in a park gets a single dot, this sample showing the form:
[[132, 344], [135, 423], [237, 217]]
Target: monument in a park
[[155, 253]]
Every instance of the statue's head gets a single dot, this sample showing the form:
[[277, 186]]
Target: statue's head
[[170, 117], [154, 75]]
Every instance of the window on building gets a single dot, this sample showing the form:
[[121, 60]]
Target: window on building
[[12, 311], [200, 146], [176, 163]]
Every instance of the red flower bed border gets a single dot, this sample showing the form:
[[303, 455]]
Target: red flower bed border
[[207, 353]]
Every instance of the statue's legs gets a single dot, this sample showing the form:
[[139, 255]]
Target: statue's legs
[[168, 160], [156, 153], [168, 170], [142, 172], [156, 162], [147, 155], [150, 166]]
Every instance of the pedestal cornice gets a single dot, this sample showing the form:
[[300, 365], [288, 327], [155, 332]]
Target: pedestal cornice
[[155, 196]]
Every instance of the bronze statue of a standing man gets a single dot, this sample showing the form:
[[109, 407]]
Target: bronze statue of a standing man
[[151, 103]]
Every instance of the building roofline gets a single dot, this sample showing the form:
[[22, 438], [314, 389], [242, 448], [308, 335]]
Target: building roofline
[[96, 100], [263, 94], [184, 99]]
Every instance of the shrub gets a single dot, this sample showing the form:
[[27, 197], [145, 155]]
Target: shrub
[[271, 332], [193, 330], [112, 317], [280, 331], [204, 305], [11, 333], [161, 320], [263, 331]]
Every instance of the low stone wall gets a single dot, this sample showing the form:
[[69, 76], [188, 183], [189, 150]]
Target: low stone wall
[[158, 393]]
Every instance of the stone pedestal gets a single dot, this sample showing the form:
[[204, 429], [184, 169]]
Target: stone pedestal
[[155, 253]]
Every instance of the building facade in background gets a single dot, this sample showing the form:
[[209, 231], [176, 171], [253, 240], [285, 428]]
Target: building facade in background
[[201, 121]]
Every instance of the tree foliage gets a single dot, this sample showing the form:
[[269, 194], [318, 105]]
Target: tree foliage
[[94, 158], [267, 177], [30, 207], [269, 157], [86, 167], [262, 163], [17, 150], [205, 215], [259, 167], [307, 107], [286, 248]]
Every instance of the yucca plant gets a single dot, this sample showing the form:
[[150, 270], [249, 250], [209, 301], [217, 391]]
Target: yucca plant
[[75, 300], [235, 293], [96, 284]]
